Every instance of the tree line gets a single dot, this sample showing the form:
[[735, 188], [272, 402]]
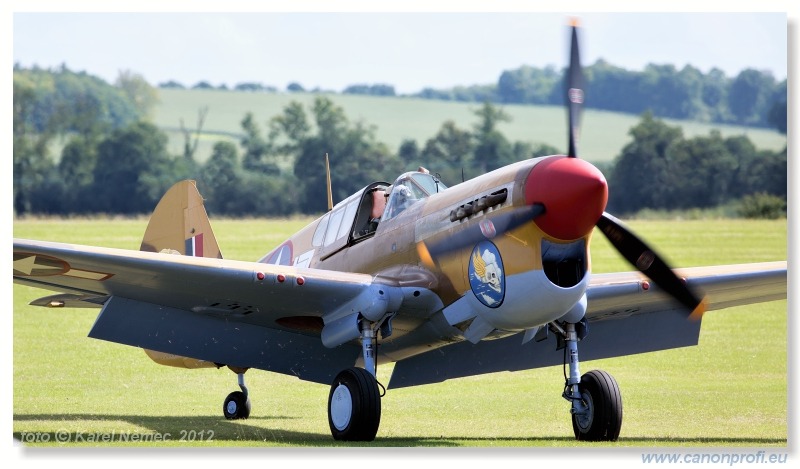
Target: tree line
[[116, 161], [661, 169], [751, 98]]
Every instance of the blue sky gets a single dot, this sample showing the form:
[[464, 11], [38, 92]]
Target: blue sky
[[407, 50]]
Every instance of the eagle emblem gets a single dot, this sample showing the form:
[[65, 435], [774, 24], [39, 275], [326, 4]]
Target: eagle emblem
[[486, 276]]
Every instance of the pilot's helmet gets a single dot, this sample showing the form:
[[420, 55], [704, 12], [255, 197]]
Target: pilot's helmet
[[403, 195]]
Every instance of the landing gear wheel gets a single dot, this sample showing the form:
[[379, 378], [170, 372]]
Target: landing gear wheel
[[236, 406], [354, 406], [602, 420]]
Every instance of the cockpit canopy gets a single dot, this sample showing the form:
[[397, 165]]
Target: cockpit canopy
[[358, 216], [410, 188]]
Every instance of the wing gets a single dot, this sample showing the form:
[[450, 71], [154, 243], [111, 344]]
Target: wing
[[624, 294], [242, 314], [626, 316]]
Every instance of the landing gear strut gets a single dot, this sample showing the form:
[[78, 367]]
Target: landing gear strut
[[595, 397], [237, 404], [354, 402]]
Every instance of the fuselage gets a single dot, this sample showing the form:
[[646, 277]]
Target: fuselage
[[494, 273]]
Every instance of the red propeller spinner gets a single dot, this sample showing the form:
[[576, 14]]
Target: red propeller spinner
[[573, 192]]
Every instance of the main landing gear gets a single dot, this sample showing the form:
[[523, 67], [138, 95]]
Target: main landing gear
[[595, 397], [354, 402], [237, 404]]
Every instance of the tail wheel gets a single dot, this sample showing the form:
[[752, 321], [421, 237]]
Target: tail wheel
[[354, 406], [602, 420], [236, 406]]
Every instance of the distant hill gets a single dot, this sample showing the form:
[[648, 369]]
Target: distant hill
[[604, 134]]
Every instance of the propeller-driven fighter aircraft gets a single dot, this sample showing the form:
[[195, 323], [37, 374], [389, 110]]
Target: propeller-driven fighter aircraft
[[492, 274]]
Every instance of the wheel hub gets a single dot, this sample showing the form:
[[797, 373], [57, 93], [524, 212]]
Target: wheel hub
[[585, 418], [341, 407], [231, 407]]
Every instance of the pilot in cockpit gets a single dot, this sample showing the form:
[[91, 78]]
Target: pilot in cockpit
[[400, 198]]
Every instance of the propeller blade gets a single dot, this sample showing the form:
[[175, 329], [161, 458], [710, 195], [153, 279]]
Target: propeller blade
[[641, 256], [574, 89], [483, 228]]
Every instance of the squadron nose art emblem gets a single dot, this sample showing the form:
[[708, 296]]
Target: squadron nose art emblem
[[486, 275]]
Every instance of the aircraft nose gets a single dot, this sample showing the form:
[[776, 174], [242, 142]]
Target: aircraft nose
[[574, 194]]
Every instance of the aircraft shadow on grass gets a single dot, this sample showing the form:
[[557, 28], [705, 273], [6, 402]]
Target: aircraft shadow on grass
[[214, 429]]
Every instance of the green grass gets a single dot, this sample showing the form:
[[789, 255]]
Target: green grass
[[730, 390], [603, 134]]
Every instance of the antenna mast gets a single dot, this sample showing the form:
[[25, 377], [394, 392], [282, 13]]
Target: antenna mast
[[328, 174]]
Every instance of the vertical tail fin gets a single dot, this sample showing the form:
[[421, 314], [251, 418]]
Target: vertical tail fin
[[179, 224]]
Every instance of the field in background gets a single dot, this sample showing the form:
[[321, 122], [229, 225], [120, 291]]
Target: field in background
[[730, 390], [604, 134]]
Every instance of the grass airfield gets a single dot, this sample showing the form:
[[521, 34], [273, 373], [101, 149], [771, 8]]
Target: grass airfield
[[729, 391]]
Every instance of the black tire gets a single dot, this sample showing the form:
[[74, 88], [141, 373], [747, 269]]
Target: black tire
[[604, 419], [354, 406], [236, 406]]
